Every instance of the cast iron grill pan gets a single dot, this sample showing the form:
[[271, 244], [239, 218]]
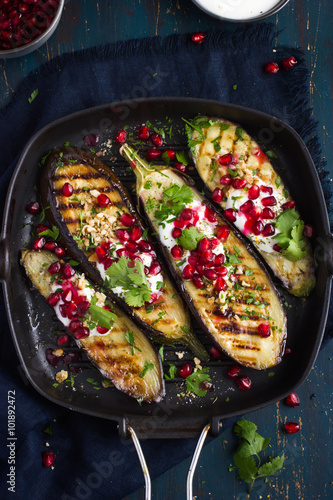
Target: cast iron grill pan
[[31, 321]]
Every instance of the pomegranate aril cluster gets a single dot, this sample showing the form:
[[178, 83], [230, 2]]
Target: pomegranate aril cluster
[[21, 22]]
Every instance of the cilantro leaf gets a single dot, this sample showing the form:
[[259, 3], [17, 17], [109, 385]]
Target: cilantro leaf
[[102, 317], [247, 467], [175, 198], [291, 236], [172, 372], [194, 380], [132, 280], [51, 233], [271, 467], [183, 158], [147, 366], [129, 336], [190, 238]]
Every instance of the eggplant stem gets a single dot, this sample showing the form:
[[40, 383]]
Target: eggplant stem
[[196, 346], [140, 167]]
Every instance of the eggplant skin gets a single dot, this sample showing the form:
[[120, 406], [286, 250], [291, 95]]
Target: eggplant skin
[[253, 165], [225, 318], [110, 353], [169, 320]]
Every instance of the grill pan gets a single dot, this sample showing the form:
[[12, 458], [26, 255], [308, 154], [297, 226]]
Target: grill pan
[[32, 324]]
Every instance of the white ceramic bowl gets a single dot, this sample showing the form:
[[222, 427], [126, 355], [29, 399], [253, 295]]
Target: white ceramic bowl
[[35, 44], [228, 7]]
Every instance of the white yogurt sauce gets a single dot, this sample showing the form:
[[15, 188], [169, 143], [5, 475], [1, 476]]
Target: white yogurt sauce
[[265, 242], [237, 9]]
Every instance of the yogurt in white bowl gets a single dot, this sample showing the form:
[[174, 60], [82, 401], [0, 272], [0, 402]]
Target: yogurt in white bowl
[[240, 10]]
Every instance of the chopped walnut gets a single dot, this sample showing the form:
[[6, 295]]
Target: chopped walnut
[[94, 193], [245, 284], [61, 376], [100, 298], [180, 355], [58, 352]]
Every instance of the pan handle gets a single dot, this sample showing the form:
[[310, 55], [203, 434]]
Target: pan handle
[[142, 462], [194, 462]]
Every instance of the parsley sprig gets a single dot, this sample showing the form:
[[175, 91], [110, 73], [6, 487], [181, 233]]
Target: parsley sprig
[[251, 445], [132, 279], [194, 382], [175, 198]]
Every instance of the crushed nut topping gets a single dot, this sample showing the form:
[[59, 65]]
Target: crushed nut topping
[[61, 376]]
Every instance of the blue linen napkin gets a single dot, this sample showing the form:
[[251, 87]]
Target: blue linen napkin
[[92, 461]]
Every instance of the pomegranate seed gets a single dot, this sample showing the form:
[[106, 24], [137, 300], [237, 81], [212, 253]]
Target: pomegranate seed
[[53, 299], [244, 383], [121, 137], [55, 268], [309, 231], [217, 195], [131, 246], [289, 204], [219, 260], [121, 234], [157, 140], [122, 252], [170, 153], [269, 201], [128, 220], [288, 351], [289, 63], [185, 370], [210, 215], [40, 228], [108, 262], [291, 427], [176, 232], [230, 214], [268, 230], [214, 243], [247, 206], [267, 213], [255, 212], [233, 372], [135, 233], [226, 160], [226, 180], [51, 358], [102, 329], [143, 133], [292, 400], [277, 247], [193, 260], [145, 246], [103, 200], [39, 243], [155, 268], [264, 330], [198, 37], [210, 274], [186, 214], [220, 284], [48, 458], [101, 252], [206, 386], [239, 183], [223, 233], [206, 257], [177, 252], [266, 189], [63, 340], [257, 227], [181, 167], [253, 192], [91, 140], [215, 353], [74, 325], [153, 154], [272, 68], [60, 252], [197, 281], [188, 272], [67, 189], [68, 271], [204, 245], [82, 332], [221, 270], [51, 246], [34, 208]]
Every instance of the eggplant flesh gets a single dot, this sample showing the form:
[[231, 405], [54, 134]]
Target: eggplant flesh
[[86, 227], [134, 368], [248, 304], [214, 142]]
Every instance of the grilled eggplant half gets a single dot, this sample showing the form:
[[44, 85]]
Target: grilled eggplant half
[[227, 289], [100, 228], [244, 182], [112, 342]]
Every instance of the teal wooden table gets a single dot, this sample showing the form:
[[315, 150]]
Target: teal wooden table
[[308, 473]]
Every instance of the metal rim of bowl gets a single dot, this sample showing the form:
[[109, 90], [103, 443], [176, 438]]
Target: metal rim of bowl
[[264, 15], [39, 41]]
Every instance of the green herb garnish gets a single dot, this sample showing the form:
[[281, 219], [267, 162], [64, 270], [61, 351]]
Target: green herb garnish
[[147, 366], [190, 238]]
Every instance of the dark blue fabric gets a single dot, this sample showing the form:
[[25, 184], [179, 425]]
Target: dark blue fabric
[[92, 461]]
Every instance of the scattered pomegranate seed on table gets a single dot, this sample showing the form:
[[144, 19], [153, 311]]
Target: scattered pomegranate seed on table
[[198, 37], [244, 383], [185, 370], [289, 63], [272, 68], [48, 458], [215, 352], [291, 427], [293, 400], [121, 137], [309, 231]]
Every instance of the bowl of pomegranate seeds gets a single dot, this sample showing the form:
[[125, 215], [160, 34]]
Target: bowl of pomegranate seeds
[[26, 24], [240, 10]]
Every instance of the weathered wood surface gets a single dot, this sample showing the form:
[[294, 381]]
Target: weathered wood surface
[[306, 23]]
